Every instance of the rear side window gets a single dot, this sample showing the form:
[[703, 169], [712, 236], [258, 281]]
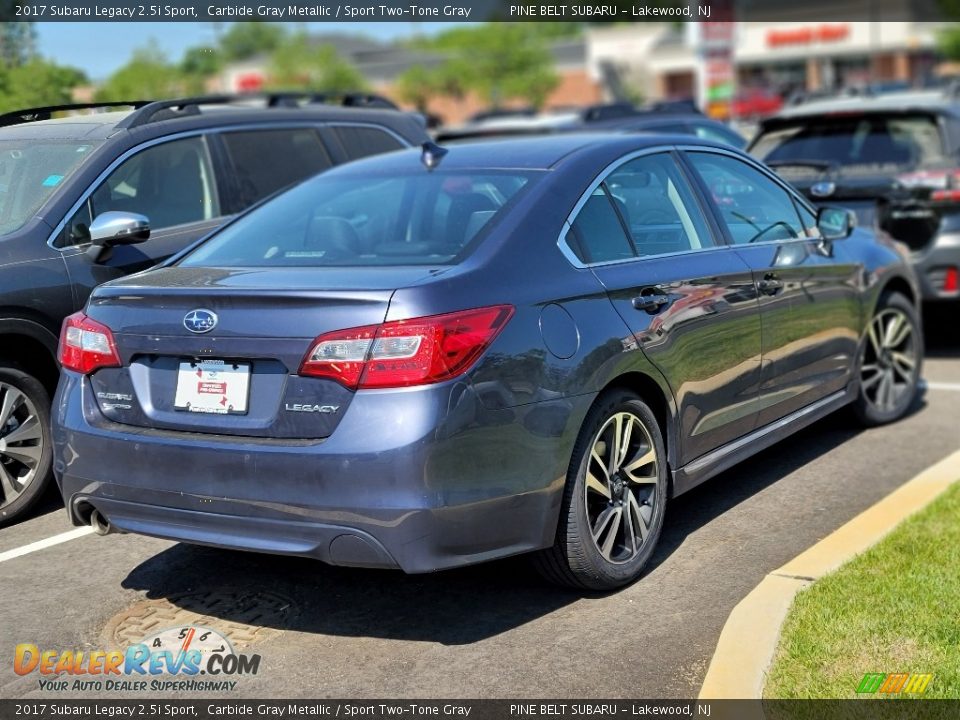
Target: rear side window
[[361, 220], [597, 235], [642, 208], [265, 161], [866, 144], [359, 142]]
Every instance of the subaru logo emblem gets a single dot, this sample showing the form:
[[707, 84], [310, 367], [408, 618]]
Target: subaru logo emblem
[[823, 189], [200, 320]]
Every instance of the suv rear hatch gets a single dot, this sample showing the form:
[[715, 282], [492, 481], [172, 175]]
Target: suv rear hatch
[[892, 168], [210, 350]]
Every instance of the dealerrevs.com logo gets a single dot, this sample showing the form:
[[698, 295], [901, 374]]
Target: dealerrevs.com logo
[[171, 660]]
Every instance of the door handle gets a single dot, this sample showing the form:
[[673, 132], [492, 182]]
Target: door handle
[[770, 285], [651, 302]]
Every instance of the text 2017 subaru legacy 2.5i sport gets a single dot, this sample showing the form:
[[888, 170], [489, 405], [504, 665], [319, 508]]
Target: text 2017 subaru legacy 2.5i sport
[[428, 360]]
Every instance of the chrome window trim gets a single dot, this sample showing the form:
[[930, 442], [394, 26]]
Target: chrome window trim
[[568, 252], [91, 188]]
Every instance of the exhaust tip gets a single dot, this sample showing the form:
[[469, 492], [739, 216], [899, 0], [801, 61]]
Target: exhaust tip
[[100, 525]]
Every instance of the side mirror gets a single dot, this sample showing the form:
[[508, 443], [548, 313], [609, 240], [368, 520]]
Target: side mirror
[[116, 228], [835, 223]]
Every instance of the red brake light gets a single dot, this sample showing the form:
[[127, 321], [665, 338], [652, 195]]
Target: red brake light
[[86, 345], [402, 353], [951, 283]]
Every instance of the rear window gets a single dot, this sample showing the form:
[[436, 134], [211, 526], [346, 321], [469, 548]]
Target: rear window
[[868, 144], [347, 220]]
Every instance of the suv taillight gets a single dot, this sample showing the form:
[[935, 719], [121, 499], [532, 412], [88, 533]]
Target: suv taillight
[[86, 345], [402, 353]]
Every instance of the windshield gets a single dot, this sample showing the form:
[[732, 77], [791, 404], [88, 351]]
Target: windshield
[[864, 144], [345, 220], [30, 171]]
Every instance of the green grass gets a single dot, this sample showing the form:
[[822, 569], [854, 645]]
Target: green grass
[[895, 608]]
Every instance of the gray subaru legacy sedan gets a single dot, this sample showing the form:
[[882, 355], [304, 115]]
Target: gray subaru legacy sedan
[[440, 357]]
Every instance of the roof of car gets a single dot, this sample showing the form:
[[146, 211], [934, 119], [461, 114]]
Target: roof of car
[[101, 125], [886, 102], [541, 152]]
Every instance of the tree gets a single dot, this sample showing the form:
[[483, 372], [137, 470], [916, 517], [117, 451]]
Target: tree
[[198, 65], [17, 43], [38, 83], [508, 61], [148, 75], [244, 40], [300, 64], [416, 85]]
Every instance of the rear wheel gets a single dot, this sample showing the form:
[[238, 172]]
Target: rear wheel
[[615, 498], [25, 453], [890, 362]]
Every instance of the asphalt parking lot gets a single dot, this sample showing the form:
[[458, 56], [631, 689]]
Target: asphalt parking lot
[[490, 631]]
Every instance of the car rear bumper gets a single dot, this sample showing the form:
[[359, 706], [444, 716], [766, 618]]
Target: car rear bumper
[[933, 264], [419, 479]]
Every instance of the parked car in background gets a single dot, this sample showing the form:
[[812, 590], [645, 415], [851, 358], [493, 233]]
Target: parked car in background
[[667, 117], [76, 192], [755, 103], [893, 158], [423, 361]]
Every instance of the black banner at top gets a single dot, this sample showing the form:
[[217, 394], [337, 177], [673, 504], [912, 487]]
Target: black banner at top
[[609, 11]]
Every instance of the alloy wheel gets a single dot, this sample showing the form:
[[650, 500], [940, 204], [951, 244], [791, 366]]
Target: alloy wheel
[[21, 443], [620, 487], [888, 371]]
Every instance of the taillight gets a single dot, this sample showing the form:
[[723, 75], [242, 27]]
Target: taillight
[[402, 353], [944, 185], [86, 345], [951, 283]]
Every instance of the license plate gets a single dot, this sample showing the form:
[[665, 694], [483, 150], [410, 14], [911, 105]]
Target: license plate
[[213, 386]]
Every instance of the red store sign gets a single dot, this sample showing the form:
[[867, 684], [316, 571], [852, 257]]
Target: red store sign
[[808, 35]]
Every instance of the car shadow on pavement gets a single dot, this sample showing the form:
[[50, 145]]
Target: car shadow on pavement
[[453, 607]]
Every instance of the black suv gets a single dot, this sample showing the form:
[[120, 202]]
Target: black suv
[[77, 193], [893, 158]]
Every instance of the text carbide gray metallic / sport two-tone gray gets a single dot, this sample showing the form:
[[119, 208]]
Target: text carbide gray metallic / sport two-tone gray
[[531, 347], [79, 195]]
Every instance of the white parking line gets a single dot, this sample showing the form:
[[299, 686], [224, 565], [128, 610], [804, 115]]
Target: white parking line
[[45, 543], [955, 387]]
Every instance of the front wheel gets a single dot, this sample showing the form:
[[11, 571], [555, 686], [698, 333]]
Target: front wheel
[[890, 362], [615, 498], [25, 454]]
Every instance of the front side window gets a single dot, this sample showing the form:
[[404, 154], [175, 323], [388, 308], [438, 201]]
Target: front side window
[[353, 219], [171, 183], [30, 172], [752, 206]]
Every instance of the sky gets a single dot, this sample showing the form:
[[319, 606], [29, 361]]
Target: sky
[[100, 48]]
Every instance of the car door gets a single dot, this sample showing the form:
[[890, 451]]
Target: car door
[[809, 299], [172, 182], [689, 301]]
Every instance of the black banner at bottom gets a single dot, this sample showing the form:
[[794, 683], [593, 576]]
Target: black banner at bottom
[[147, 709]]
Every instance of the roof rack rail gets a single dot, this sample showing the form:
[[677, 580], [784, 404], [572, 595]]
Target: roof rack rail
[[19, 117], [608, 111], [182, 107]]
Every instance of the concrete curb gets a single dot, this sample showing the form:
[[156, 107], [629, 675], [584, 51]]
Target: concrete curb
[[749, 638]]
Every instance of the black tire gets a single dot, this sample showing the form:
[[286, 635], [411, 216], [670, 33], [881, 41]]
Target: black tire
[[873, 405], [37, 406], [576, 559]]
